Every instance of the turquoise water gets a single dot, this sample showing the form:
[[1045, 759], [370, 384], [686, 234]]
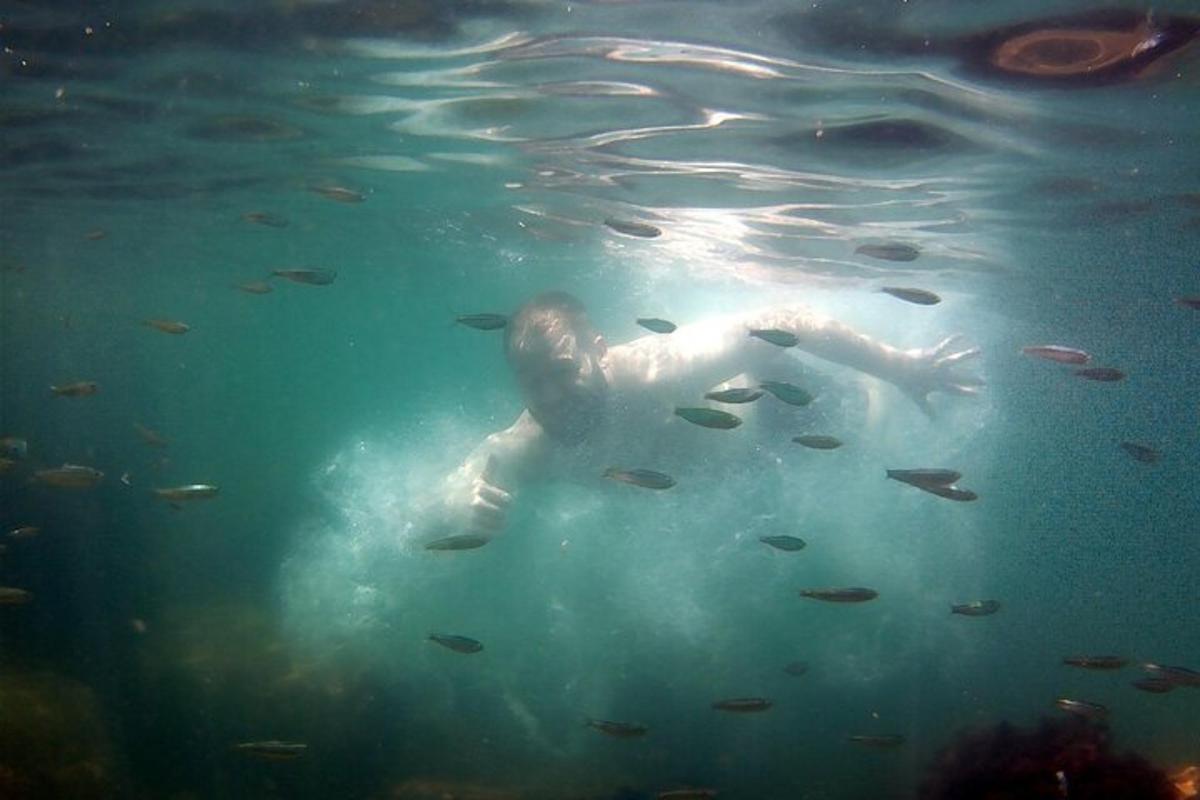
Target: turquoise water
[[487, 143]]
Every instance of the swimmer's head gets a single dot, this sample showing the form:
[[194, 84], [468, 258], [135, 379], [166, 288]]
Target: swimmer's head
[[558, 358]]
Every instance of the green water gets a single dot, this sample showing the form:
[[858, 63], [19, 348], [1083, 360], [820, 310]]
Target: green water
[[489, 142]]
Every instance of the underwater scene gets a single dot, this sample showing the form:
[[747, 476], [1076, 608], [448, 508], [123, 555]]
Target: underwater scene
[[599, 400]]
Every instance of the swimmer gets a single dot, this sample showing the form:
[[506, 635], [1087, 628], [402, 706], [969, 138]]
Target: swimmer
[[589, 406]]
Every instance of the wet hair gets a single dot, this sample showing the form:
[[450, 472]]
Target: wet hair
[[544, 322]]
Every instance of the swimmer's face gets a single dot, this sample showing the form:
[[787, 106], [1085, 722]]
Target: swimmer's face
[[562, 379]]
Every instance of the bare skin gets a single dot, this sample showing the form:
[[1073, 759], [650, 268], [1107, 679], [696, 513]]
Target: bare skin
[[590, 407]]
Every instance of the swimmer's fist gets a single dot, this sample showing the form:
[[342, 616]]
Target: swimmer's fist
[[488, 503]]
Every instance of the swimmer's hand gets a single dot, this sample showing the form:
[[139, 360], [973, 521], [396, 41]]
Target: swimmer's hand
[[484, 509], [938, 369]]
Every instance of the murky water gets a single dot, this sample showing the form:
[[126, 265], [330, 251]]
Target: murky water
[[1030, 166]]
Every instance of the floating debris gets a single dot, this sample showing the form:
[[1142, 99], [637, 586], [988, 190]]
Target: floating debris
[[920, 297], [618, 730], [1096, 662], [976, 608], [1082, 708], [656, 325], [850, 594], [311, 277], [1141, 452], [11, 596], [1057, 353], [193, 491], [482, 322], [879, 740], [741, 394], [466, 541], [1103, 374], [788, 393], [743, 705], [6, 465], [167, 326], [796, 668], [69, 476], [254, 287], [339, 194], [273, 750], [24, 532], [817, 442], [891, 251], [924, 478], [709, 418], [150, 437], [775, 336], [459, 644], [646, 478], [629, 227], [265, 218], [784, 542], [77, 389]]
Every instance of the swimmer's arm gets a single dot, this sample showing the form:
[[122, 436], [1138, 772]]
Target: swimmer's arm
[[476, 496]]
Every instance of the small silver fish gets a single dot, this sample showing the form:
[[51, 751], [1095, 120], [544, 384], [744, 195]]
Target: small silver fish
[[69, 476], [796, 668], [466, 541], [891, 251], [150, 437], [254, 287], [339, 194], [459, 644], [783, 542], [13, 447], [24, 532], [922, 478], [740, 394], [709, 418], [687, 794], [194, 491], [630, 227], [951, 493], [919, 297], [11, 596], [1141, 452], [792, 395], [482, 322], [1058, 353], [1180, 676], [273, 750], [1155, 685], [77, 389], [775, 336], [1102, 374], [1096, 662], [816, 442], [265, 218], [656, 325], [850, 594], [167, 326], [311, 277], [880, 740], [618, 730], [976, 608], [743, 705], [1082, 708], [645, 478]]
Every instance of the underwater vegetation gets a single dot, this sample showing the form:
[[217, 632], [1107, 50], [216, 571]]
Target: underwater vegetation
[[1058, 759]]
